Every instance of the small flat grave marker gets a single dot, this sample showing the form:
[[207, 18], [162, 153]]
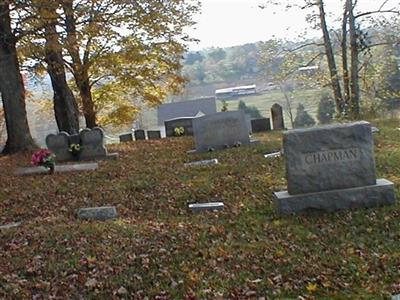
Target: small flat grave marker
[[213, 161], [153, 134], [10, 225], [273, 154], [196, 207], [101, 213]]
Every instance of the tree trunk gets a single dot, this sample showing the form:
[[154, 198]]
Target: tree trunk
[[331, 61], [79, 66], [12, 88], [346, 79], [65, 107], [354, 53]]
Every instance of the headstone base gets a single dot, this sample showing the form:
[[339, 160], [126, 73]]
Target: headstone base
[[382, 193]]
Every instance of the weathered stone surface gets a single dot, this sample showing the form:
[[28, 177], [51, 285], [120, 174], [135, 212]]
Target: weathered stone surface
[[58, 169], [277, 117], [382, 193], [92, 144], [220, 130], [153, 134], [196, 207], [98, 213], [260, 125], [329, 157], [59, 144], [247, 117], [186, 123], [213, 161], [126, 137], [10, 225], [139, 135]]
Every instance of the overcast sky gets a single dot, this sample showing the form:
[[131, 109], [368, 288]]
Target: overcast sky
[[225, 23]]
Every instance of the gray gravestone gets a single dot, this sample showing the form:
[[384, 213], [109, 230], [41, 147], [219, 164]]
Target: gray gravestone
[[206, 162], [98, 213], [139, 135], [220, 130], [92, 144], [260, 125], [153, 134], [59, 145], [248, 122], [277, 117], [330, 168], [127, 137], [186, 123]]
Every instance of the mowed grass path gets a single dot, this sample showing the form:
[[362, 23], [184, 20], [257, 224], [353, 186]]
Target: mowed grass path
[[159, 250]]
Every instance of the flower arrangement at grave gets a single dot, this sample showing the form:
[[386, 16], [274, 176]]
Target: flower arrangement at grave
[[178, 131], [75, 149], [45, 158]]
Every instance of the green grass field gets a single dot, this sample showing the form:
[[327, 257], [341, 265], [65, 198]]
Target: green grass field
[[157, 249]]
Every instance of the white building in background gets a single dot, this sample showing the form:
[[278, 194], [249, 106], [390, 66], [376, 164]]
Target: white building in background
[[235, 91]]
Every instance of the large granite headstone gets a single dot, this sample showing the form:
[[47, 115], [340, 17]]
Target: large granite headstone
[[220, 130], [260, 125], [186, 123], [59, 145], [139, 134], [330, 168], [277, 117]]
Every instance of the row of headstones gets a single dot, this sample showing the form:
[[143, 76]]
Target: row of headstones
[[255, 125], [140, 134]]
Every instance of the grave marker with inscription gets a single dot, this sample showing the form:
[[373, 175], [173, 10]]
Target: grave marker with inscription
[[220, 130], [330, 168], [139, 134]]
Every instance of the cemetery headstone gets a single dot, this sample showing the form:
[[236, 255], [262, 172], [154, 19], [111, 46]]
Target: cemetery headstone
[[186, 123], [139, 134], [260, 125], [92, 143], [10, 225], [98, 213], [58, 169], [126, 137], [153, 134], [220, 130], [277, 117], [59, 145], [331, 168]]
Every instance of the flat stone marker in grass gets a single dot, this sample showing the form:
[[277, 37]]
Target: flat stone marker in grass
[[197, 207], [273, 154], [207, 162], [331, 168], [58, 169], [101, 213], [10, 225]]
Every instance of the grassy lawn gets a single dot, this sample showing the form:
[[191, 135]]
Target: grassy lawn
[[159, 250]]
